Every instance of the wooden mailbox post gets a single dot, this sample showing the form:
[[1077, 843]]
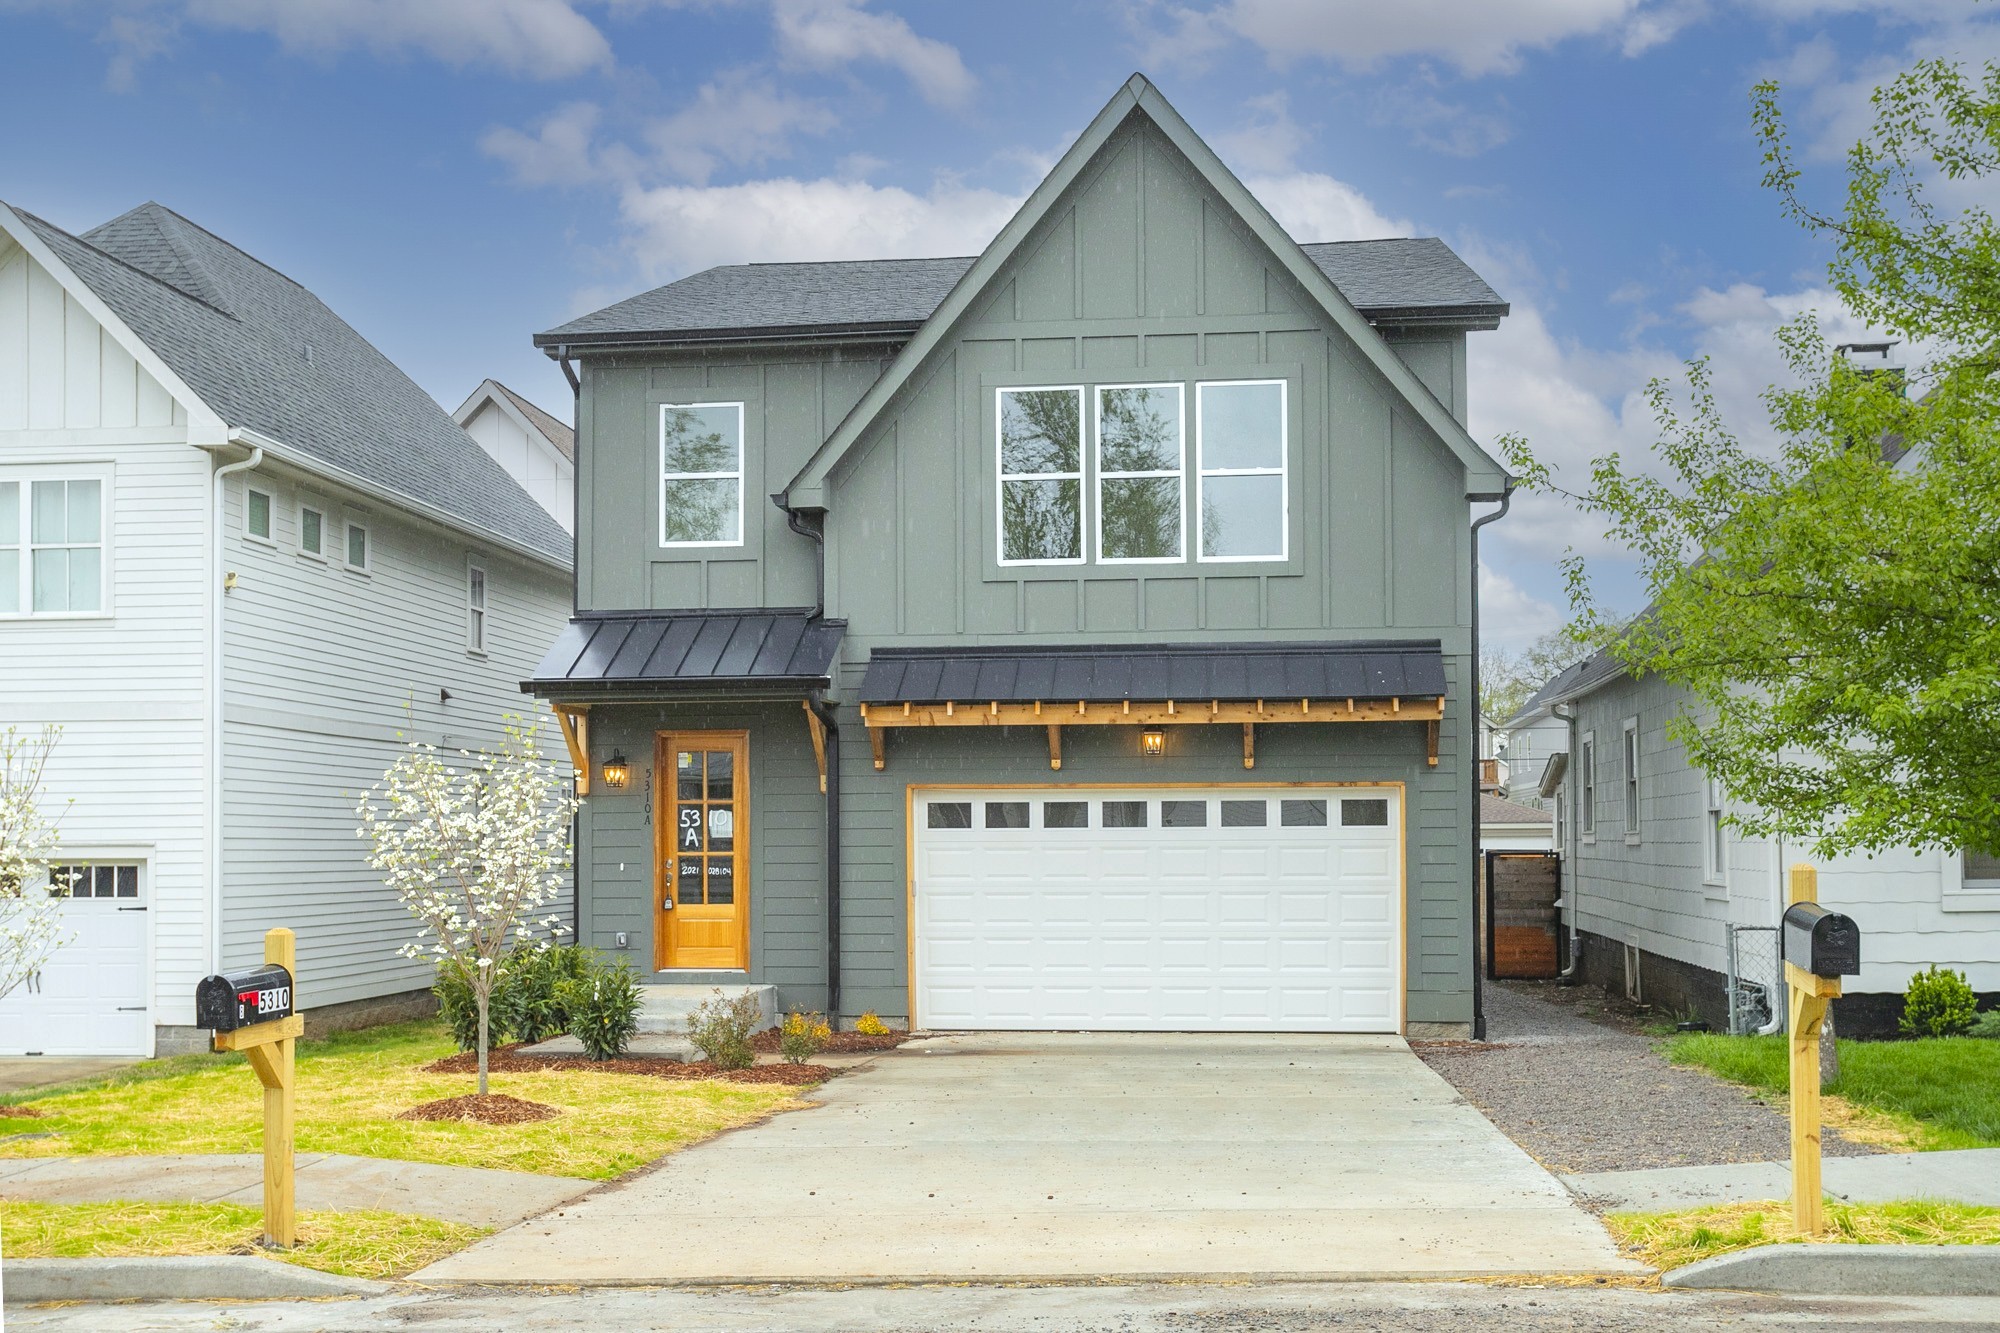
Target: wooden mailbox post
[[1809, 994], [268, 1047]]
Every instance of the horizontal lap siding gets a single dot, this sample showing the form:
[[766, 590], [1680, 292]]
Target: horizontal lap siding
[[325, 667]]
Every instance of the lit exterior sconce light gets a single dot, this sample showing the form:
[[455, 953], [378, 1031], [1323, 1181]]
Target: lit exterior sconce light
[[1152, 744], [616, 771]]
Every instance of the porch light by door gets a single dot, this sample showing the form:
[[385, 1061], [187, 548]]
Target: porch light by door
[[617, 772], [1152, 744]]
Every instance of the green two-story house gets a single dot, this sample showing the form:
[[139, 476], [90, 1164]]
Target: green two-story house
[[1075, 636]]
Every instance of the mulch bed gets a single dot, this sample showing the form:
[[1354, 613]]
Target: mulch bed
[[509, 1060], [19, 1113], [493, 1109], [843, 1043]]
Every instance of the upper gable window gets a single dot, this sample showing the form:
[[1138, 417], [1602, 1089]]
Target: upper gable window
[[1140, 479], [52, 547], [1041, 476], [1240, 433], [701, 474]]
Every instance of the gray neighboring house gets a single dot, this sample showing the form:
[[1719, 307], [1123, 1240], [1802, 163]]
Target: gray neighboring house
[[1653, 879], [1074, 636], [239, 552]]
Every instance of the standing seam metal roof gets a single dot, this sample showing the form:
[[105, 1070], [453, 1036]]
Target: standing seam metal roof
[[688, 650]]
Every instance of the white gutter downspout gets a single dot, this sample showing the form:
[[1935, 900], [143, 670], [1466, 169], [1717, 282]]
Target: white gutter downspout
[[217, 593], [1778, 1016], [1569, 975]]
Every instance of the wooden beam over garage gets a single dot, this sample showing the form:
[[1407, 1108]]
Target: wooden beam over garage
[[1165, 712]]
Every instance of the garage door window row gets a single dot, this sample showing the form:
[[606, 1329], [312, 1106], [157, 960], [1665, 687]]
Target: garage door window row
[[1167, 813]]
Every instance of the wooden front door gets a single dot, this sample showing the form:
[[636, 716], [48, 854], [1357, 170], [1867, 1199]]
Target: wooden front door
[[701, 901]]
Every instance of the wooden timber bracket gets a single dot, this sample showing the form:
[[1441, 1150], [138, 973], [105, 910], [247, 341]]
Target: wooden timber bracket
[[818, 730], [573, 720]]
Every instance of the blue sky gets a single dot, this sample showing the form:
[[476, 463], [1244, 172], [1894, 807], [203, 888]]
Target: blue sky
[[454, 175]]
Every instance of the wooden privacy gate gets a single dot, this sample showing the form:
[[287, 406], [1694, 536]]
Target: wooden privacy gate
[[1523, 924]]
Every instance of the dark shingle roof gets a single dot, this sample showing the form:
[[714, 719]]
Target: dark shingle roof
[[1413, 279], [650, 651], [1499, 810], [268, 356], [1572, 681], [1370, 670], [560, 434]]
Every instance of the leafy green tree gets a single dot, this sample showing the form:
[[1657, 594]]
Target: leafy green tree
[[1507, 679], [1833, 605]]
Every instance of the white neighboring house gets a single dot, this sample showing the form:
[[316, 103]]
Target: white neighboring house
[[1653, 878], [536, 449], [239, 552], [1509, 826]]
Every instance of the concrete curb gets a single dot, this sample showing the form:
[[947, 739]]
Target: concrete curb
[[1849, 1270], [197, 1277]]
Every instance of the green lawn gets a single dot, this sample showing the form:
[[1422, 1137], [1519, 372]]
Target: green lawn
[[361, 1244], [1945, 1090], [1670, 1240], [353, 1085]]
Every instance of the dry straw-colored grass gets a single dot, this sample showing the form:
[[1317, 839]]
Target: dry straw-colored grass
[[359, 1244], [352, 1088], [1671, 1240]]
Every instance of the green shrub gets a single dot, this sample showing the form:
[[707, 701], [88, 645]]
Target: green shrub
[[602, 1007], [803, 1036], [1938, 1003], [459, 1010], [535, 987], [721, 1028], [1987, 1025]]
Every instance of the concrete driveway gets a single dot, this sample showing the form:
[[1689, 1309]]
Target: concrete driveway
[[1072, 1156]]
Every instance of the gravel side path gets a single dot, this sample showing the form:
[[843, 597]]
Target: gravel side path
[[1583, 1090]]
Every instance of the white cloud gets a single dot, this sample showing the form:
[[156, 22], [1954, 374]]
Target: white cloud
[[537, 38], [1444, 127], [677, 229], [1270, 142], [559, 152], [1312, 206], [1510, 617], [738, 119], [831, 34]]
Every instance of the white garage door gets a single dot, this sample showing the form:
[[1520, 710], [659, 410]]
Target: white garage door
[[90, 998], [1230, 910]]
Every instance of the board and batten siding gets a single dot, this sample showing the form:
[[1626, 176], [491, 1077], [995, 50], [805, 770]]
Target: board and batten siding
[[529, 459], [128, 688], [324, 666], [1652, 889]]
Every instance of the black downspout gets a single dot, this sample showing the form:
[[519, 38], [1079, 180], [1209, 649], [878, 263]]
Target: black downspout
[[824, 712], [1478, 849], [816, 532]]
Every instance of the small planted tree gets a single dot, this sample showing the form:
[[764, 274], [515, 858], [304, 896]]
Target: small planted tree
[[474, 848], [31, 926]]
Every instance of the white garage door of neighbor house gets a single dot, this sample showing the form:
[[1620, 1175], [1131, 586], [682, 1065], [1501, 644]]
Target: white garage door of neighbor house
[[1221, 910], [90, 998]]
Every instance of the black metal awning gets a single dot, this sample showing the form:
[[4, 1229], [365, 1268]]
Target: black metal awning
[[686, 651], [1371, 670]]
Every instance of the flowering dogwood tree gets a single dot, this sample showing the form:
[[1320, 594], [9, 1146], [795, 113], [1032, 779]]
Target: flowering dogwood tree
[[474, 849], [31, 926]]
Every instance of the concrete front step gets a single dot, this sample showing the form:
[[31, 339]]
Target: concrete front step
[[665, 1008]]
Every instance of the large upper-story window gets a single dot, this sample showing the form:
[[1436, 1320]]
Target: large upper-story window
[[701, 474], [1140, 481], [52, 546], [1240, 436], [1041, 476]]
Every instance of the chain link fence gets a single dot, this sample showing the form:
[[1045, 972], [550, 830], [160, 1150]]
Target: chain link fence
[[1755, 978]]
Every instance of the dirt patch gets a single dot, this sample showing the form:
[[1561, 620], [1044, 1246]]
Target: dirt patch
[[842, 1043], [509, 1060], [493, 1109], [19, 1113]]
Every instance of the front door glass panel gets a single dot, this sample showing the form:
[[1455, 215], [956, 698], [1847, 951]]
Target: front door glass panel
[[704, 826], [702, 918]]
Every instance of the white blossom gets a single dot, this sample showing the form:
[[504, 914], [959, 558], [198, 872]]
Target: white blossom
[[31, 922], [473, 849]]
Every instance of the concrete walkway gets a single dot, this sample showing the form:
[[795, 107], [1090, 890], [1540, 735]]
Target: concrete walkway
[[1081, 1156], [331, 1181], [1954, 1177]]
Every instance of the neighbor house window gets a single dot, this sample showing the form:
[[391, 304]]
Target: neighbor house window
[[1140, 482], [52, 546], [1715, 840], [257, 514], [357, 546], [1586, 786], [1240, 434], [312, 530], [701, 474], [1041, 476], [1631, 748], [1981, 870], [475, 608]]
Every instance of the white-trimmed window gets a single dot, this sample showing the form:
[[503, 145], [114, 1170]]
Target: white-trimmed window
[[475, 608], [1141, 476], [1557, 825], [1630, 748], [53, 549], [257, 513], [701, 474], [1715, 835], [1040, 451], [1586, 785], [94, 879], [312, 531], [357, 553], [1240, 444], [1980, 871]]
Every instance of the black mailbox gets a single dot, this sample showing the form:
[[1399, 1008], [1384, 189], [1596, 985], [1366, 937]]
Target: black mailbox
[[241, 999], [1823, 943]]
